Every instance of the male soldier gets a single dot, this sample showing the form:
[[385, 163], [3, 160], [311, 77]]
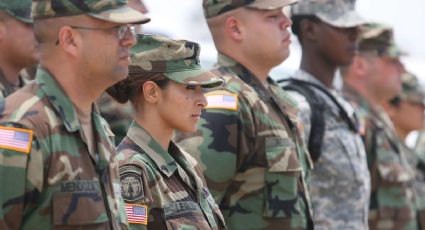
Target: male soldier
[[340, 181], [410, 103], [18, 48], [118, 115], [56, 153], [248, 141], [371, 80]]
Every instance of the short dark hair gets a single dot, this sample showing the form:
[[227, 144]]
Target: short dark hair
[[296, 24]]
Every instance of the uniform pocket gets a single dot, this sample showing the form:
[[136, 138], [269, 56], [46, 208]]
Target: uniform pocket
[[79, 203], [281, 179], [184, 215]]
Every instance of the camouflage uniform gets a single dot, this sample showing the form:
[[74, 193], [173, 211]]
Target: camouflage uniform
[[49, 178], [340, 181], [21, 10], [117, 115], [167, 184], [412, 91], [392, 198]]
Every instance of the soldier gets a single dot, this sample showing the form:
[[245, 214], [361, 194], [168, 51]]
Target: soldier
[[56, 152], [371, 80], [410, 103], [247, 140], [165, 87], [340, 182], [17, 44], [118, 115]]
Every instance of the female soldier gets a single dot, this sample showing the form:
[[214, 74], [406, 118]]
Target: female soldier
[[163, 187]]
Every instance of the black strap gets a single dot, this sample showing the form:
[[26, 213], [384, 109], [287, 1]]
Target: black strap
[[317, 119]]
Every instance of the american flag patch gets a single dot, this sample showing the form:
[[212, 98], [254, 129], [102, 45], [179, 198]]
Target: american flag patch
[[15, 139], [222, 101], [137, 214]]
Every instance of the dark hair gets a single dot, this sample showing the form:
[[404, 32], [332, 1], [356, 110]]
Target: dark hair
[[395, 102], [296, 24], [129, 88]]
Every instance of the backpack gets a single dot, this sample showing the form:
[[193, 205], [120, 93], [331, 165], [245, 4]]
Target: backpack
[[317, 105]]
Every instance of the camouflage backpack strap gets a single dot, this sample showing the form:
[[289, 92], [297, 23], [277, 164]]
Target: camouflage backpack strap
[[317, 119]]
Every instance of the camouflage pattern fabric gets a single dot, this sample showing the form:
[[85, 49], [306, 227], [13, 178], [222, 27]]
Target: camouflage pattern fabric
[[412, 90], [57, 183], [392, 200], [20, 9], [170, 183], [340, 182], [253, 158], [118, 116], [214, 8], [338, 13], [416, 161], [177, 60], [109, 10], [379, 39]]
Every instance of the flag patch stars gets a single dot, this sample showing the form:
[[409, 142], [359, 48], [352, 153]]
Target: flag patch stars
[[137, 214], [16, 139]]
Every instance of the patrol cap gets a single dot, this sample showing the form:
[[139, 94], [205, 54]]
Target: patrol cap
[[116, 11], [177, 60], [379, 39], [412, 89], [214, 8], [20, 9], [337, 13]]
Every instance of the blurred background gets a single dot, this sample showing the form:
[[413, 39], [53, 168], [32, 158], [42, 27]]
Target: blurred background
[[184, 20]]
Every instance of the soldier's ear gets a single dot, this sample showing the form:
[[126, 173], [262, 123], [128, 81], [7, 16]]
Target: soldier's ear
[[151, 92], [308, 29], [68, 40], [234, 28]]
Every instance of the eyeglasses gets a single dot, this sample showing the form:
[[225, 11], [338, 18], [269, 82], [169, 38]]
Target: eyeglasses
[[121, 30]]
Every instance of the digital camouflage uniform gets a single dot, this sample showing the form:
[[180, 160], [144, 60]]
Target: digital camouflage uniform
[[340, 182], [49, 179], [168, 185], [392, 197], [413, 92], [21, 10]]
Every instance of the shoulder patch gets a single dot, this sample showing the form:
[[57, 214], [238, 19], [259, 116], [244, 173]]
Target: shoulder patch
[[222, 100], [131, 183], [137, 214], [16, 139]]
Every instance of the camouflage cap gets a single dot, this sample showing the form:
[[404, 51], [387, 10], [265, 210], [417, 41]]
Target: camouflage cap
[[108, 10], [214, 8], [20, 9], [412, 89], [379, 39], [177, 60], [338, 13]]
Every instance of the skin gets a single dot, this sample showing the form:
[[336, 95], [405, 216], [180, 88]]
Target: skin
[[176, 107], [407, 109], [325, 48], [95, 59], [236, 35], [18, 45], [374, 77]]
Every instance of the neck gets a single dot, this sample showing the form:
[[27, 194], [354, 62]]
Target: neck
[[10, 72], [153, 123], [402, 133], [362, 88], [322, 70]]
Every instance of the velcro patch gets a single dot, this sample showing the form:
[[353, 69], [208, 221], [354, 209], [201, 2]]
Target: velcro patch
[[137, 214], [219, 100], [15, 139], [131, 183]]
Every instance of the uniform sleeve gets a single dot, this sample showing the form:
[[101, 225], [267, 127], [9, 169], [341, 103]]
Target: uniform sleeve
[[21, 173], [223, 140]]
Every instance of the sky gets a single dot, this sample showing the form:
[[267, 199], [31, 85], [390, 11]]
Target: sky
[[183, 19]]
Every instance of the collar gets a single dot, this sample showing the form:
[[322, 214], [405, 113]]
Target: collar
[[163, 160]]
